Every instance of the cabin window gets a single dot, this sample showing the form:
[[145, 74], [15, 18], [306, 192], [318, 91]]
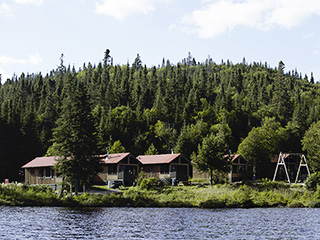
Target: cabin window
[[48, 172], [32, 171], [41, 172], [242, 161], [112, 169], [164, 169], [238, 168]]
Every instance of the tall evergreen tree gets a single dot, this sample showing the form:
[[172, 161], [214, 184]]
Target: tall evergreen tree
[[281, 99], [74, 139]]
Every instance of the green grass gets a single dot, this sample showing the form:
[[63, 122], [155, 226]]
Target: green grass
[[261, 194]]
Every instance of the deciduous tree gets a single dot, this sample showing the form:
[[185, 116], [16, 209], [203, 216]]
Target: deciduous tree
[[311, 144], [212, 151]]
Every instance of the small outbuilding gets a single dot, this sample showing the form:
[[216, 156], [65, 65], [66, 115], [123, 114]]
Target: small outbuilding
[[166, 166]]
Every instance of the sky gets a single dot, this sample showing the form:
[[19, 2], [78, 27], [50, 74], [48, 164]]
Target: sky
[[34, 33]]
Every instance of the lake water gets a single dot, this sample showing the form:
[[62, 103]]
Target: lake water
[[158, 223]]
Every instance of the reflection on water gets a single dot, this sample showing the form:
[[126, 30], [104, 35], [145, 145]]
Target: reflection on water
[[158, 223]]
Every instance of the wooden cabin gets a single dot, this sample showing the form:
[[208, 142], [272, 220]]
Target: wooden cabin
[[41, 171], [118, 168], [240, 169], [166, 166]]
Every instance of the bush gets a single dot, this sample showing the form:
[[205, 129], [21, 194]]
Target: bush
[[312, 181], [241, 198], [295, 204], [148, 183], [267, 184], [213, 203], [314, 204]]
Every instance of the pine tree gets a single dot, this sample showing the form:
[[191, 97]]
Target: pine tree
[[117, 147], [151, 150]]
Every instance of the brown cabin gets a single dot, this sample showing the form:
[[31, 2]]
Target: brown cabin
[[166, 166], [41, 171], [240, 169], [118, 168]]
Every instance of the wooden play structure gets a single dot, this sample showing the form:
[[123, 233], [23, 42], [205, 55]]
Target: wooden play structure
[[290, 166]]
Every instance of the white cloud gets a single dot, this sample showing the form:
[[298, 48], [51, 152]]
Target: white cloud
[[309, 35], [121, 9], [35, 2], [4, 75], [5, 8], [32, 59], [217, 17]]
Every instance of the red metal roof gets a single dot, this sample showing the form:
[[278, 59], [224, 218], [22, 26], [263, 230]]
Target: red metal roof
[[41, 162], [233, 157], [50, 161], [114, 158], [157, 159]]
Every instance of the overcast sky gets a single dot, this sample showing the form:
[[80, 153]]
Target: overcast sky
[[34, 33]]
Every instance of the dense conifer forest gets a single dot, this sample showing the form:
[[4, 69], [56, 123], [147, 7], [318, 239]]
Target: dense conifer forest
[[170, 107]]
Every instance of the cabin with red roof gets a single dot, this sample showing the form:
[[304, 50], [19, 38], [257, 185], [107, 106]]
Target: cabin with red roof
[[118, 168], [240, 169], [122, 168], [166, 166], [41, 171]]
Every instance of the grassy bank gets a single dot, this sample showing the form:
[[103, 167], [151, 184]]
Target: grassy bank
[[264, 194]]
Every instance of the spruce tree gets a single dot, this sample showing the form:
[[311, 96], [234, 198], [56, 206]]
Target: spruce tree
[[74, 139]]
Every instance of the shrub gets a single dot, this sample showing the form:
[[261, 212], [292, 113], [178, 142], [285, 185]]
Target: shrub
[[295, 204], [314, 204], [267, 184], [241, 198], [148, 183], [213, 203], [312, 181]]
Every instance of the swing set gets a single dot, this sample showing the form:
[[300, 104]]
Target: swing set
[[290, 167]]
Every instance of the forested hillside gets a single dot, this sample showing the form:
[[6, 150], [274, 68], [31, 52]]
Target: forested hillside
[[157, 109]]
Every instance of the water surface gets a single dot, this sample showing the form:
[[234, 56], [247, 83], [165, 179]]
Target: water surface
[[158, 223]]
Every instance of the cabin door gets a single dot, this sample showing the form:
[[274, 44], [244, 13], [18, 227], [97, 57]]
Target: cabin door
[[129, 174], [180, 172]]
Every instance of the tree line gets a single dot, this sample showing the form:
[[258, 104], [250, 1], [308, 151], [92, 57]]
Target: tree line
[[190, 107]]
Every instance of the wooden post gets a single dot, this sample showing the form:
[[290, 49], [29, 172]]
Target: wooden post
[[281, 162], [303, 163]]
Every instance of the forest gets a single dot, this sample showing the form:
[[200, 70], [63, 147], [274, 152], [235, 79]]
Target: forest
[[258, 110]]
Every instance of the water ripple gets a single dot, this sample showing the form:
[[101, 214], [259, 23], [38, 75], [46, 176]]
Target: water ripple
[[158, 223]]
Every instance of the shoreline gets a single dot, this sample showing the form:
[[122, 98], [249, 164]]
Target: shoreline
[[263, 195]]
